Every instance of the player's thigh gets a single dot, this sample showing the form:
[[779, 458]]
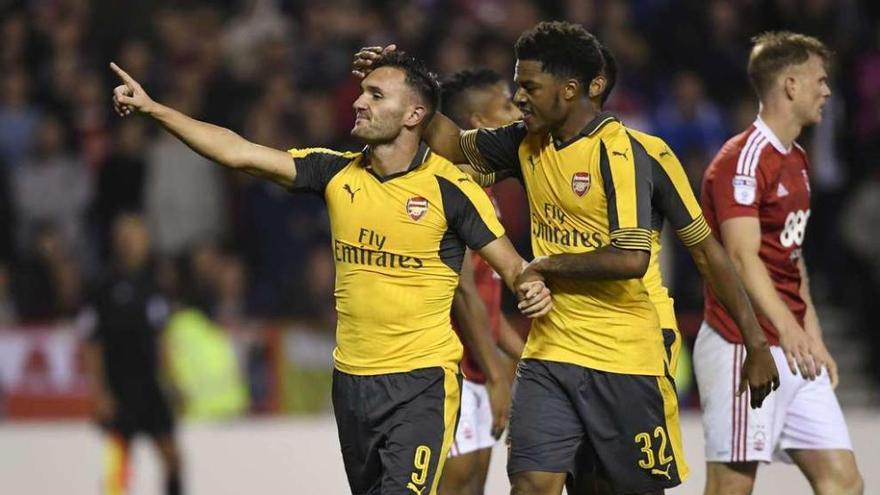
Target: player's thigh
[[733, 432], [813, 419], [356, 417], [730, 478], [420, 433], [545, 429], [632, 424], [465, 474], [829, 471]]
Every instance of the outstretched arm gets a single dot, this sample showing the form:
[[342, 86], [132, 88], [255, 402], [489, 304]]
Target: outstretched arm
[[215, 143]]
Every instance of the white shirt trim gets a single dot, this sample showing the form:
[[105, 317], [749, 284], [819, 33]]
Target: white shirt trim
[[765, 130]]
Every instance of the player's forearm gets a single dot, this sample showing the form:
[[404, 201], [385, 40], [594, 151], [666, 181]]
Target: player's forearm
[[762, 292], [811, 318], [444, 138], [509, 339], [607, 263], [718, 271], [215, 143], [473, 324]]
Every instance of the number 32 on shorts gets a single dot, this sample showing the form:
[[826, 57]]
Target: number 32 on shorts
[[421, 461], [660, 464]]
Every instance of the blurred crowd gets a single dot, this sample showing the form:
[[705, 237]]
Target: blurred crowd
[[277, 71]]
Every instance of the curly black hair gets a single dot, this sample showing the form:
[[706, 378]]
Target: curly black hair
[[418, 77], [453, 91], [564, 50], [609, 70]]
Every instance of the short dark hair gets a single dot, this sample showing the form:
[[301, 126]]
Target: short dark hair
[[775, 50], [609, 70], [564, 50], [418, 77], [454, 100]]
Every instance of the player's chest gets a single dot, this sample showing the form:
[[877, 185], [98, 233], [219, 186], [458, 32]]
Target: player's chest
[[787, 196], [401, 213], [564, 183]]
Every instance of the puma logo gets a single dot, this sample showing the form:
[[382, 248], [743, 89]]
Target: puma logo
[[532, 162], [415, 489], [663, 472], [347, 189], [463, 179], [664, 153], [619, 153]]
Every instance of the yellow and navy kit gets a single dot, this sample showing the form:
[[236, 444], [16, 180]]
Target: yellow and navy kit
[[673, 200], [398, 244], [589, 192]]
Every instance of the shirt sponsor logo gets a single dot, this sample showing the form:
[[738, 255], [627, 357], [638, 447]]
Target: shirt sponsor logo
[[744, 189], [416, 207], [580, 183]]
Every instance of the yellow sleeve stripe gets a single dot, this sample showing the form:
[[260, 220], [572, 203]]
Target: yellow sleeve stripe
[[695, 232], [632, 238]]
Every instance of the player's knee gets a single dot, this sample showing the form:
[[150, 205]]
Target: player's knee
[[534, 483], [730, 479], [848, 482]]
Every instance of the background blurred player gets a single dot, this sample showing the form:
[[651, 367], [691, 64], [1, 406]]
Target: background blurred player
[[756, 196], [477, 98], [401, 218], [123, 358]]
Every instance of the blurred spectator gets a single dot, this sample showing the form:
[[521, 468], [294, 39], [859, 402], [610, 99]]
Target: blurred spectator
[[687, 120], [52, 185], [184, 193], [18, 116], [45, 283], [8, 315]]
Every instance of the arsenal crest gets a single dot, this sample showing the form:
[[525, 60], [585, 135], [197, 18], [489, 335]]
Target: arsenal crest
[[416, 207], [580, 183]]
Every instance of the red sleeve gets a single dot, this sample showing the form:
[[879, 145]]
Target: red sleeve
[[737, 194]]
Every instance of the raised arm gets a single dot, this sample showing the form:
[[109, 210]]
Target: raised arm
[[742, 239], [215, 143]]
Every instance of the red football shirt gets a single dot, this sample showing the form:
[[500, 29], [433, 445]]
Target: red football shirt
[[754, 175], [489, 285]]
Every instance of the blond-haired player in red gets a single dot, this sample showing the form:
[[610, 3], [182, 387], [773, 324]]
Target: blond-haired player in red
[[756, 196]]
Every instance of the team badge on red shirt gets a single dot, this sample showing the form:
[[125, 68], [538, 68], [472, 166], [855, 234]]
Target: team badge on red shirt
[[580, 183], [416, 207]]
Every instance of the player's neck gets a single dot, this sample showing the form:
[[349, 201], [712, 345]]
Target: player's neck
[[578, 118], [783, 123], [393, 157]]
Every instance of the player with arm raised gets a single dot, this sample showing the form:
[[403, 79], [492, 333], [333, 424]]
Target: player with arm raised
[[401, 218], [756, 196]]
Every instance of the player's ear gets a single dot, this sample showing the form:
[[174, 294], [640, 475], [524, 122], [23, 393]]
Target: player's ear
[[415, 115], [597, 86], [570, 89], [790, 86]]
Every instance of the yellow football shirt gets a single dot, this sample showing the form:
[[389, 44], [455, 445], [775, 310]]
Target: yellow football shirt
[[673, 200], [398, 242], [589, 192]]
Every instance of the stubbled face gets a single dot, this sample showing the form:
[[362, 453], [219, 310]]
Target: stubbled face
[[538, 96], [810, 89], [497, 108], [381, 109]]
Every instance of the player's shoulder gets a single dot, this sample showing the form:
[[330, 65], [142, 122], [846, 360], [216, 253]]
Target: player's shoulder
[[654, 146], [447, 172]]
